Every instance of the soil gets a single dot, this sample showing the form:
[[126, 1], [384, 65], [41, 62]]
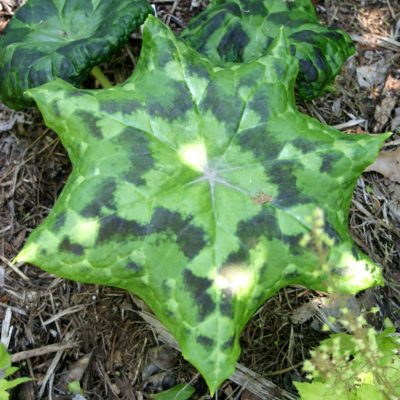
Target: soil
[[98, 335]]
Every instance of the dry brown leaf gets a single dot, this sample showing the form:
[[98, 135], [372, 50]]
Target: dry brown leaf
[[370, 76], [3, 24], [75, 371], [330, 314], [306, 311], [159, 372], [384, 110], [390, 95], [163, 357], [396, 119], [388, 164]]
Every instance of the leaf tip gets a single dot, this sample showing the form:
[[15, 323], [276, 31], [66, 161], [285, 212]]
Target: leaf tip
[[215, 377], [281, 46], [387, 135], [380, 140], [27, 254], [153, 25]]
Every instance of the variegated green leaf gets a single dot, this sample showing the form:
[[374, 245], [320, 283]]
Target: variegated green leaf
[[47, 39], [191, 188], [242, 30]]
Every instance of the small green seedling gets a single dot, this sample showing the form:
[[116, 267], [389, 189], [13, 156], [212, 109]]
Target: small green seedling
[[75, 388], [6, 370]]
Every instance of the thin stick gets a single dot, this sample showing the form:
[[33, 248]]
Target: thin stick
[[283, 371], [51, 348], [71, 310], [6, 328], [349, 124], [391, 10], [50, 373], [13, 309], [101, 78], [14, 267]]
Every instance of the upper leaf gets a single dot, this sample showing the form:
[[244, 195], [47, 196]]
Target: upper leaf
[[62, 38], [243, 30], [192, 186]]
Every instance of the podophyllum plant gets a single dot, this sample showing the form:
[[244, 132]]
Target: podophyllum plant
[[243, 30], [47, 39], [68, 38], [191, 187]]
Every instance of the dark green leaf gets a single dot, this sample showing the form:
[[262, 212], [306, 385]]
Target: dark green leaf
[[62, 38], [243, 30], [192, 187]]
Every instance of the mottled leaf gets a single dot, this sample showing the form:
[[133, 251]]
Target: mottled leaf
[[243, 30], [192, 187], [62, 38]]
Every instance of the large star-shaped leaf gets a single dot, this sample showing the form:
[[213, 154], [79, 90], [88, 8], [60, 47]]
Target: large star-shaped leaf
[[192, 186], [243, 30], [47, 39]]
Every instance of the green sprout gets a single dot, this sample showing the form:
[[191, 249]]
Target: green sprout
[[6, 370]]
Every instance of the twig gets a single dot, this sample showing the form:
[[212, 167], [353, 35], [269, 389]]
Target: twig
[[13, 309], [375, 40], [41, 351], [349, 124], [6, 328], [392, 13], [390, 41], [14, 268], [392, 143], [62, 313], [284, 370], [49, 373]]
